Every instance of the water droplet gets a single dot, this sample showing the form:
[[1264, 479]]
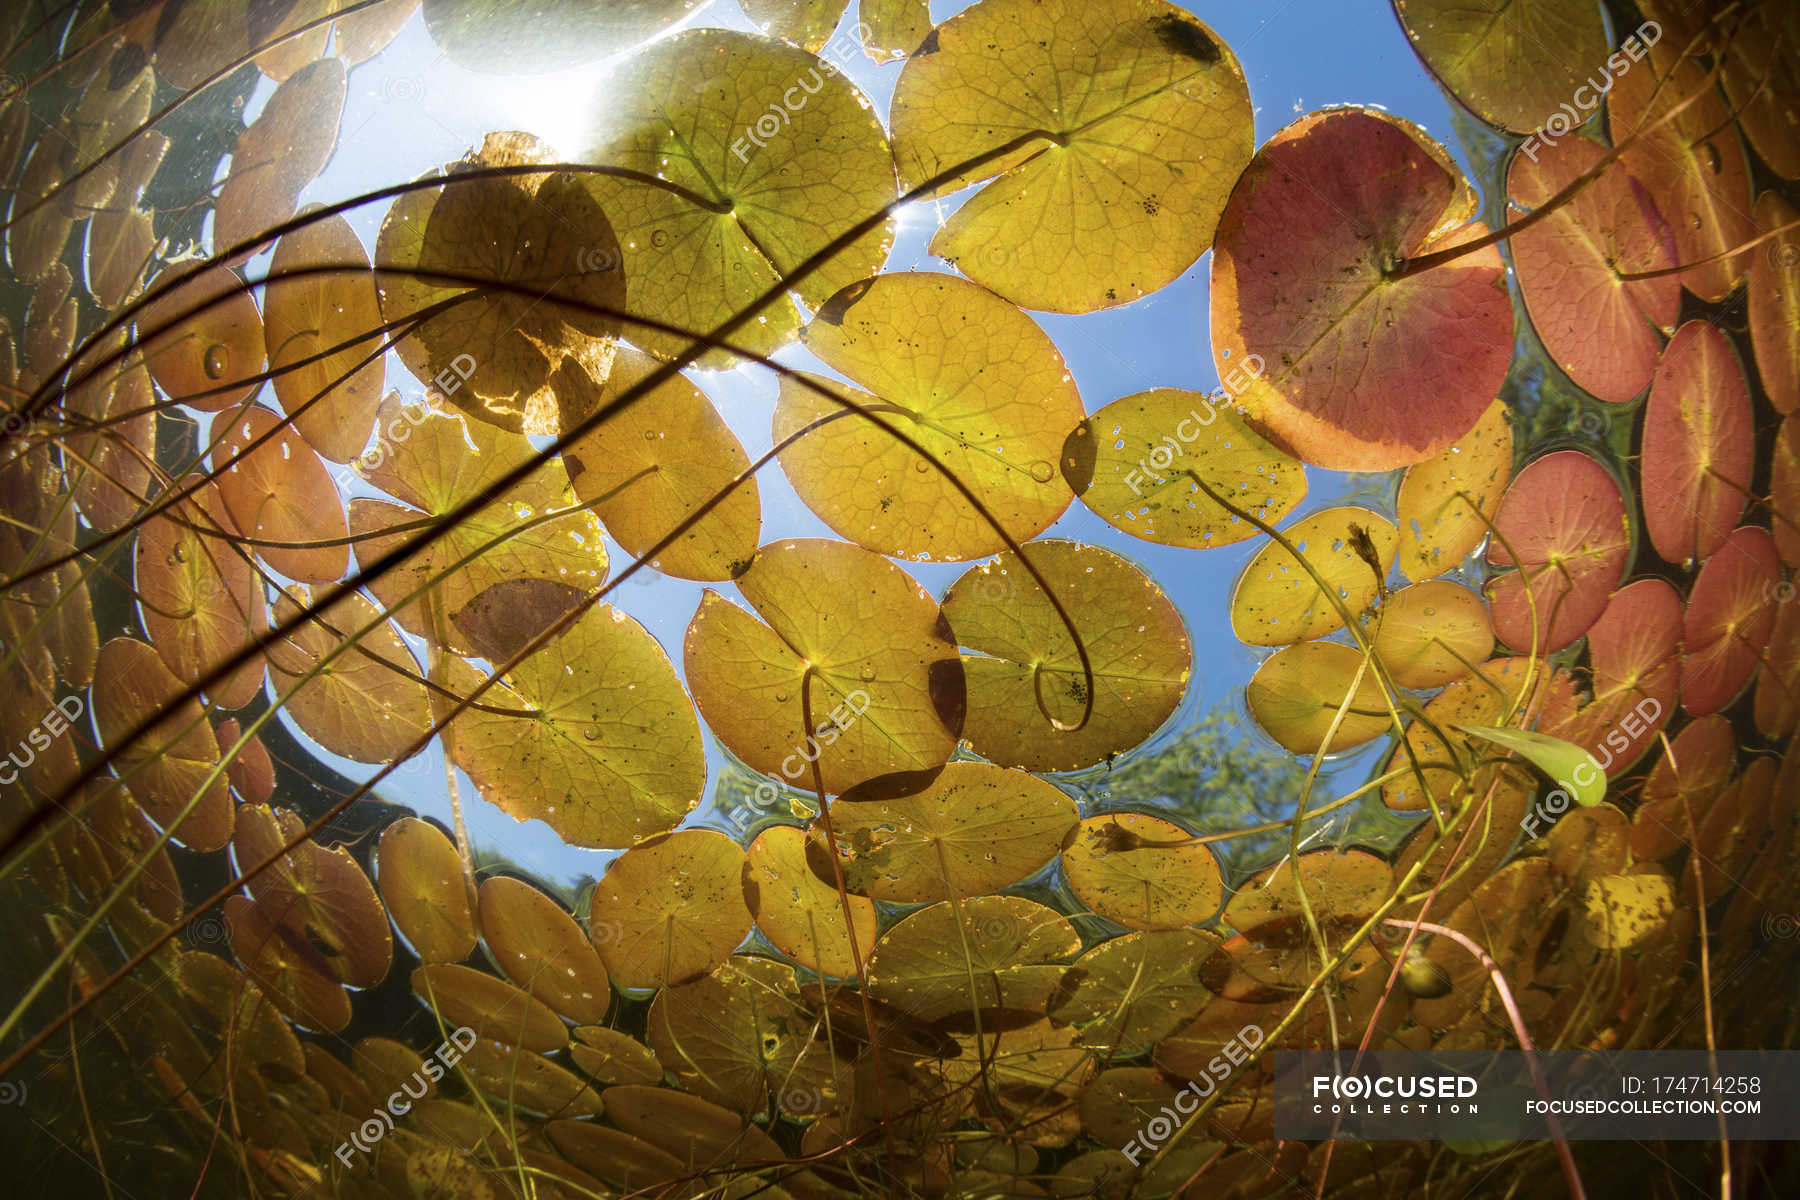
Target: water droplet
[[216, 360], [650, 435], [781, 697], [867, 674], [921, 466], [1041, 471], [659, 238], [591, 733]]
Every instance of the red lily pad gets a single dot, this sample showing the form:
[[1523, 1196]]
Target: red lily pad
[[1774, 296], [1604, 332], [1698, 451], [1565, 519], [1697, 765], [1365, 371], [1784, 491], [1730, 614], [1635, 649]]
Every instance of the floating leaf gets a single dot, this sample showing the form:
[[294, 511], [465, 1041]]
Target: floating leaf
[[1565, 519], [614, 1057], [1131, 462], [1774, 303], [541, 949], [327, 381], [670, 909], [1730, 614], [112, 477], [287, 967], [1777, 706], [169, 763], [1438, 527], [368, 703], [481, 35], [1784, 490], [1142, 871], [1278, 602], [1694, 164], [1496, 692], [1635, 650], [650, 467], [893, 28], [692, 1129], [1128, 992], [494, 353], [799, 912], [848, 632], [490, 1006], [761, 175], [1432, 633], [1606, 333], [1352, 883], [279, 492], [1622, 912], [1698, 450], [421, 881], [1027, 690], [520, 1078], [436, 470], [319, 894], [1366, 371], [593, 735], [740, 1036], [628, 1163], [203, 338], [1145, 123], [998, 946], [1511, 63], [972, 829], [1556, 758], [1590, 842], [281, 152], [1295, 697], [504, 621], [928, 347], [807, 24]]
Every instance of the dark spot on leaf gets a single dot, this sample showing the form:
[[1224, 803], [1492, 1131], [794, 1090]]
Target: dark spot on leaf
[[928, 46], [832, 313], [1185, 37]]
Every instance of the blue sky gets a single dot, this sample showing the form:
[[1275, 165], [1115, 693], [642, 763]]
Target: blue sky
[[411, 110]]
